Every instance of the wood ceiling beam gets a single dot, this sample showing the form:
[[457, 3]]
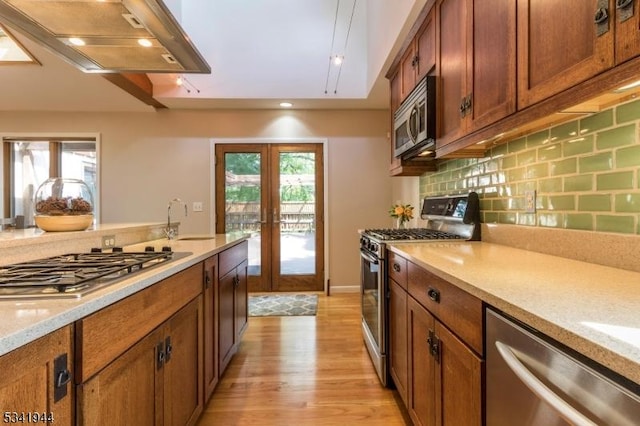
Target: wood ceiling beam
[[137, 85]]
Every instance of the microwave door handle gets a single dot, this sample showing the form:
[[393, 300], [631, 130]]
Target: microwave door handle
[[412, 124]]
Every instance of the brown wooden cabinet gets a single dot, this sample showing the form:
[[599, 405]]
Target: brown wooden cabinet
[[141, 358], [157, 381], [476, 65], [560, 45], [398, 338], [232, 301], [210, 326], [33, 385], [442, 335], [417, 61], [627, 30]]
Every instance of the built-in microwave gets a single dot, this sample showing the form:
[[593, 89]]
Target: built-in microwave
[[415, 122]]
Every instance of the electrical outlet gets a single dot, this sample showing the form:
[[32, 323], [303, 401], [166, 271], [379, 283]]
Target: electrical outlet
[[530, 201], [108, 241], [197, 206]]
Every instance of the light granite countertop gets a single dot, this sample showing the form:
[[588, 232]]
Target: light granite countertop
[[590, 308], [23, 321]]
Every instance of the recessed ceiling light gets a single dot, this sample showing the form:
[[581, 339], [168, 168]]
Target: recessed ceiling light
[[76, 41], [144, 42], [286, 104]]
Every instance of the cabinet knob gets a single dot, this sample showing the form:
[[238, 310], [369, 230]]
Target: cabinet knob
[[433, 294], [396, 267], [207, 279], [168, 349], [160, 355]]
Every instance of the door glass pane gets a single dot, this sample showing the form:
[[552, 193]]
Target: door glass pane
[[30, 170], [297, 213], [242, 201], [78, 161]]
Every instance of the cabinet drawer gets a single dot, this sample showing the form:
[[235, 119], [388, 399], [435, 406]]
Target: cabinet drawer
[[457, 309], [232, 257], [398, 269], [103, 336]]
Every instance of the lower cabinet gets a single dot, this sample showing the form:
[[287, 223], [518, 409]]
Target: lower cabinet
[[443, 373], [210, 327], [156, 382], [140, 359], [35, 385], [233, 306]]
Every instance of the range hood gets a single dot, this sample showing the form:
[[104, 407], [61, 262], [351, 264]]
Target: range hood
[[107, 35]]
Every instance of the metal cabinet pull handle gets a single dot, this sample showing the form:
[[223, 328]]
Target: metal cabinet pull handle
[[168, 350], [601, 15], [207, 279], [433, 294], [64, 377], [623, 4], [540, 389], [396, 267], [160, 355]]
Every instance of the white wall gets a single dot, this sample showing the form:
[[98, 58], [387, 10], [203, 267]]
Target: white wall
[[149, 158]]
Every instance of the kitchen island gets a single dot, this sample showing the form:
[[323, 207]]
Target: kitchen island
[[140, 349], [592, 309]]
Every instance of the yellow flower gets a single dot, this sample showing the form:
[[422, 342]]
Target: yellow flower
[[399, 210]]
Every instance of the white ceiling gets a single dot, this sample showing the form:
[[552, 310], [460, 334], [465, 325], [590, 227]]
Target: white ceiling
[[261, 52]]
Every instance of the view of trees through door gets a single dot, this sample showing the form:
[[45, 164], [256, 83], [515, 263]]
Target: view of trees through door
[[275, 193]]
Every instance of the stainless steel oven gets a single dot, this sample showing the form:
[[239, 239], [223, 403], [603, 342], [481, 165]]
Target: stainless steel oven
[[374, 303], [448, 218]]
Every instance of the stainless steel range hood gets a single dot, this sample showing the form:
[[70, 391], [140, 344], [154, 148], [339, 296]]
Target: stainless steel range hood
[[107, 35]]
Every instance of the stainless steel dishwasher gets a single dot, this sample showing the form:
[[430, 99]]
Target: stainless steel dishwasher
[[530, 381]]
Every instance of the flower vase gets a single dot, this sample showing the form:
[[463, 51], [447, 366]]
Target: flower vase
[[401, 224]]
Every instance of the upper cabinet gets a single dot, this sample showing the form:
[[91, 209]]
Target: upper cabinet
[[561, 43], [420, 56], [505, 67], [477, 65]]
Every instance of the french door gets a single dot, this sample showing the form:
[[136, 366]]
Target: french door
[[275, 193]]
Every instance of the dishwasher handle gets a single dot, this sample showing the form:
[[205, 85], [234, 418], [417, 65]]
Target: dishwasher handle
[[540, 389]]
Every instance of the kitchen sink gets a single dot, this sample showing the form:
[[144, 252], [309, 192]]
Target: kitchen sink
[[197, 238]]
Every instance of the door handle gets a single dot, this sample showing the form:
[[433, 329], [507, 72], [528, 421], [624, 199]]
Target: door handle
[[263, 217], [540, 389], [275, 215]]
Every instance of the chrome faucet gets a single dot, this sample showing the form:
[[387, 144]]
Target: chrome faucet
[[170, 232]]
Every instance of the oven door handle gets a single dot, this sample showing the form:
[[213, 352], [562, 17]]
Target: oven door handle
[[368, 257], [540, 389]]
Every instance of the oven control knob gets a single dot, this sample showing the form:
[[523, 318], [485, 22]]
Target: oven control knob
[[96, 250], [149, 248], [117, 250], [166, 249], [373, 247]]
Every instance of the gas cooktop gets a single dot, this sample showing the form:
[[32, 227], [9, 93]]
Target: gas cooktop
[[76, 274], [411, 234]]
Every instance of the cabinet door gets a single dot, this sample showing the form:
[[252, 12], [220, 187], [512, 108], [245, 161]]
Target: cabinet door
[[493, 77], [226, 329], [125, 392], [241, 302], [182, 375], [627, 23], [558, 46], [458, 381], [398, 338], [27, 384], [421, 371], [408, 72], [210, 326], [425, 46], [454, 19]]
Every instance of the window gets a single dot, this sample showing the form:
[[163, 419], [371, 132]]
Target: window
[[28, 162]]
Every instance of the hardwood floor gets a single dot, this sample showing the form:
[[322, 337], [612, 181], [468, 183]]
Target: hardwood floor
[[304, 371]]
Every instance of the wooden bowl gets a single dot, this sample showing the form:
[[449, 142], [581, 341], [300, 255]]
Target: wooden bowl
[[64, 223]]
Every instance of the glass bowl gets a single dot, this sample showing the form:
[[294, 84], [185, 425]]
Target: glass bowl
[[63, 204]]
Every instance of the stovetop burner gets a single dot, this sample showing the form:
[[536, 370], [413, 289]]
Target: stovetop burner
[[410, 234], [73, 275]]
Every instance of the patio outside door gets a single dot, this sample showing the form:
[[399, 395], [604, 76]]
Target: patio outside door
[[274, 192]]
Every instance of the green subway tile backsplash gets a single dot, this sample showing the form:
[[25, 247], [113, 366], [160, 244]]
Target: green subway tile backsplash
[[586, 174]]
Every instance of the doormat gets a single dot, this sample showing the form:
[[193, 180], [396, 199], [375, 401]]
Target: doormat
[[283, 305]]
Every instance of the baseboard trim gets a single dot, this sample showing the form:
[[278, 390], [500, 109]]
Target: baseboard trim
[[345, 289]]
